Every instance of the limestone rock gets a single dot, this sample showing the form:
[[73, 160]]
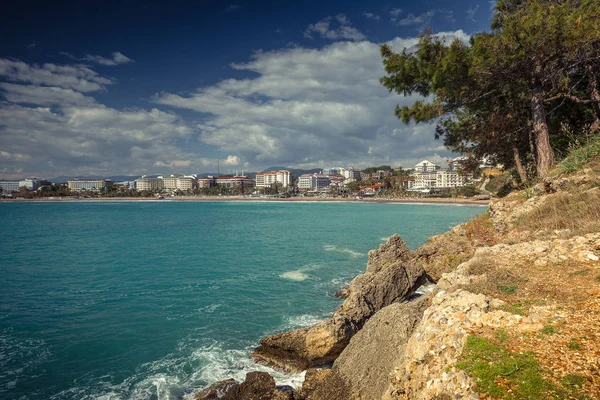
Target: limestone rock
[[217, 390], [442, 253], [365, 365], [392, 275]]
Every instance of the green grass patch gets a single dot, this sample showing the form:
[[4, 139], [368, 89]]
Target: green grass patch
[[492, 363], [573, 381], [581, 154], [517, 308], [507, 289], [548, 330], [574, 345]]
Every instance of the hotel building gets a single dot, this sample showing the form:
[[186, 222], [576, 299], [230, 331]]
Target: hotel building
[[150, 184], [268, 179], [93, 185]]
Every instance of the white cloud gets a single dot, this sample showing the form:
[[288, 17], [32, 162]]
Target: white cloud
[[43, 95], [372, 16], [394, 14], [76, 77], [344, 29], [232, 160], [310, 105], [422, 19], [116, 58], [471, 13]]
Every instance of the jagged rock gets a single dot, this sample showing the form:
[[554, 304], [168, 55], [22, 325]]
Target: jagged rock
[[363, 369], [443, 253], [392, 275], [217, 390], [256, 386], [343, 293]]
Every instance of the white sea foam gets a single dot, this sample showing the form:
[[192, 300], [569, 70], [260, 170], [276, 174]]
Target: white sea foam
[[351, 253], [424, 289], [294, 276], [302, 321]]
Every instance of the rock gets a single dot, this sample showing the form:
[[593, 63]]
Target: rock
[[343, 293], [217, 390], [366, 363], [258, 386], [592, 257], [392, 275], [443, 253]]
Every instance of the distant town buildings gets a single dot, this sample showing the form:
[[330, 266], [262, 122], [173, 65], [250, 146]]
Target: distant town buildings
[[7, 186], [148, 184], [428, 175], [269, 179], [235, 181], [91, 185], [314, 182]]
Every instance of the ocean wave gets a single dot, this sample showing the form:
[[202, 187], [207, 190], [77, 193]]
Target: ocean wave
[[294, 276], [351, 253], [19, 359]]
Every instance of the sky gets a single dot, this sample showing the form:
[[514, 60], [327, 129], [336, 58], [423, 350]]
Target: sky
[[124, 87]]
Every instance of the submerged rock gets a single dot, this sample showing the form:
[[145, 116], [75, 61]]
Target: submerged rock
[[392, 275]]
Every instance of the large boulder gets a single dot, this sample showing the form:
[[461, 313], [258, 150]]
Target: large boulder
[[363, 370], [256, 386], [392, 275]]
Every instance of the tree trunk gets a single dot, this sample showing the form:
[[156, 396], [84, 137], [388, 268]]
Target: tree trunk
[[595, 96], [545, 156], [519, 164]]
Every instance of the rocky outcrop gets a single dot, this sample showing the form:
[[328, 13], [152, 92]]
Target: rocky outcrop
[[429, 368], [363, 370], [256, 386], [443, 253], [392, 275]]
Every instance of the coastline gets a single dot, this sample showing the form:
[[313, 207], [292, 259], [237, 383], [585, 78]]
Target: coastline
[[415, 200]]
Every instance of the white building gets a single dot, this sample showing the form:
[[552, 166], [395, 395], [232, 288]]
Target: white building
[[314, 182], [350, 175], [148, 184], [178, 182], [428, 175], [268, 179], [14, 185], [94, 185], [426, 166]]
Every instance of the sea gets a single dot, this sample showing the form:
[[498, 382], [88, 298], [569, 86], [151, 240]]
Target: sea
[[155, 299]]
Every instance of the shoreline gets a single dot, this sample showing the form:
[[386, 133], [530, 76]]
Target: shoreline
[[414, 200]]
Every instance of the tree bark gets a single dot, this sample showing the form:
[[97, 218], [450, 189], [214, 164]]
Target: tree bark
[[545, 155], [519, 164], [595, 95]]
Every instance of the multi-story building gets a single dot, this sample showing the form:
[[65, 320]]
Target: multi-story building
[[350, 174], [314, 182], [92, 185], [428, 175], [268, 179], [8, 186], [207, 182], [148, 184], [178, 182], [426, 166], [235, 181], [334, 171], [449, 178]]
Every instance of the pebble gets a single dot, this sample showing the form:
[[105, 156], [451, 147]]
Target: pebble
[[592, 257]]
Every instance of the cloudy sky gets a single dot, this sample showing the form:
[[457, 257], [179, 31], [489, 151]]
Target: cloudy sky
[[130, 87]]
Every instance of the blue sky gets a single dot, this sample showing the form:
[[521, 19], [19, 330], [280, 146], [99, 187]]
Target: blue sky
[[131, 87]]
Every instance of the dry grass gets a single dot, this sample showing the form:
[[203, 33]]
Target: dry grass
[[579, 212], [480, 230]]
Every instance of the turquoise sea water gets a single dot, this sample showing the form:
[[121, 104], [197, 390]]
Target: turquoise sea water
[[148, 300]]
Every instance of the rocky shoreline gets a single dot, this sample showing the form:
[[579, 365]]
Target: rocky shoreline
[[491, 275]]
